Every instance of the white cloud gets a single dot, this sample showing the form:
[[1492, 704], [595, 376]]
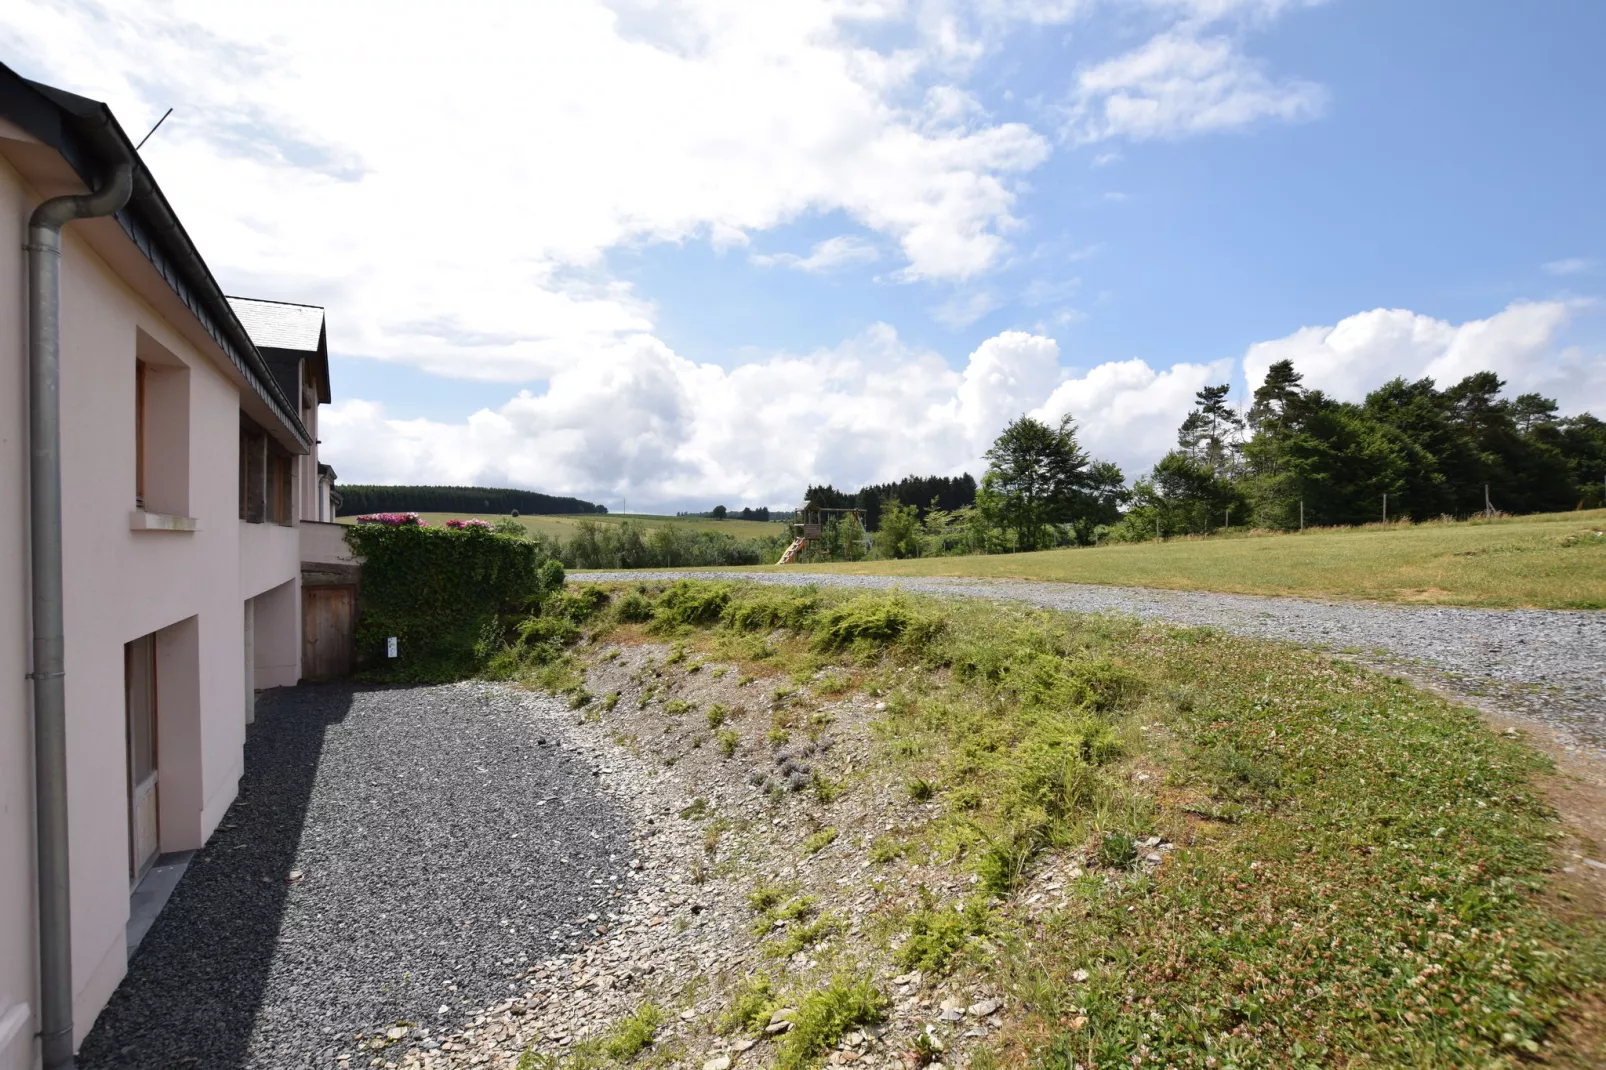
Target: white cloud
[[1179, 84], [645, 423], [638, 420], [1127, 411], [1104, 159], [1572, 265], [452, 185], [826, 256], [963, 309], [1361, 352]]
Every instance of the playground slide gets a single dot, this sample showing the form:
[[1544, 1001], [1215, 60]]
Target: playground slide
[[791, 552]]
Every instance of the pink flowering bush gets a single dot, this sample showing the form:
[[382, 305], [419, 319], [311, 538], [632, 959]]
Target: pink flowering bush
[[393, 520], [474, 524]]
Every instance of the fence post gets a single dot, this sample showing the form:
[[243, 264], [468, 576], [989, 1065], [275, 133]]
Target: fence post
[[1302, 514], [1385, 507]]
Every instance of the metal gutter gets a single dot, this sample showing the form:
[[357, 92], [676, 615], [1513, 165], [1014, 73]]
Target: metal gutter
[[47, 625]]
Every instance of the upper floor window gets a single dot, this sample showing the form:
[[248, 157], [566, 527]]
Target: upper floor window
[[267, 478], [161, 429]]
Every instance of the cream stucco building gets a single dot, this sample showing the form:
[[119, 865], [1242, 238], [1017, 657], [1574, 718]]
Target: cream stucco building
[[188, 463]]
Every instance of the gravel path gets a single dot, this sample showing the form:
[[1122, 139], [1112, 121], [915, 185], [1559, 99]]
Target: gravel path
[[394, 855], [1549, 665]]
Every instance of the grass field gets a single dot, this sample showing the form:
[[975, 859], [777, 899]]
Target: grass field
[[561, 526], [1552, 561]]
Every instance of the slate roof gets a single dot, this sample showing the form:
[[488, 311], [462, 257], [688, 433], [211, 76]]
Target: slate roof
[[280, 325], [88, 137]]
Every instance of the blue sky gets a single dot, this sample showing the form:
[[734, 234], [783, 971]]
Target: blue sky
[[683, 251]]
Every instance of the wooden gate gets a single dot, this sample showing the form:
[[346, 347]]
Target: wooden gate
[[329, 615]]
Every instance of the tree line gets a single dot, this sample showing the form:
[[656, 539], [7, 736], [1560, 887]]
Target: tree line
[[923, 492], [1410, 450], [357, 499], [1294, 457], [746, 512]]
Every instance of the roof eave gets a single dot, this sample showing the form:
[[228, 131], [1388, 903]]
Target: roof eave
[[62, 121]]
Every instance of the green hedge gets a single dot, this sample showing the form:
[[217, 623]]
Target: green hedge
[[450, 598]]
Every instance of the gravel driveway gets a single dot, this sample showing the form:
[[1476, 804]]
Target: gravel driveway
[[1547, 664], [393, 856]]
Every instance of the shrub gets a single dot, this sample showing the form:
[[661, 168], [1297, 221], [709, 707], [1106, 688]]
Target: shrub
[[689, 602], [552, 575], [885, 849], [440, 593], [938, 933], [825, 1015], [751, 1007], [546, 631], [819, 841], [729, 740], [871, 621], [510, 526], [770, 609], [633, 608], [1116, 850], [1003, 861], [634, 1033], [579, 604]]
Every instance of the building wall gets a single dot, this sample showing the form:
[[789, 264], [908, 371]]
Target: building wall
[[17, 943], [187, 587]]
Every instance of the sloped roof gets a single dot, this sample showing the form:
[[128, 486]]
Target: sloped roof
[[279, 324], [88, 137]]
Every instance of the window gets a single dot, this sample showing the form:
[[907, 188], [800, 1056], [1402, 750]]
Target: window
[[267, 478], [281, 483], [161, 450], [139, 434]]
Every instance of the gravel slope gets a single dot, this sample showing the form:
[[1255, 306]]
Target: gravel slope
[[1547, 664], [386, 845]]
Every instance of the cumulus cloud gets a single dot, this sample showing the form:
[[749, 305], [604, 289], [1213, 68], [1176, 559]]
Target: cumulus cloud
[[1519, 343], [454, 184], [1179, 84], [645, 423], [642, 421], [1127, 411]]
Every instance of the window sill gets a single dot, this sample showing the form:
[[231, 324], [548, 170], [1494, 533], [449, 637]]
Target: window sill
[[140, 520]]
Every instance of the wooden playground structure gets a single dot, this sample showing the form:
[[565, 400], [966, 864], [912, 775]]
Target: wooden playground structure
[[808, 529]]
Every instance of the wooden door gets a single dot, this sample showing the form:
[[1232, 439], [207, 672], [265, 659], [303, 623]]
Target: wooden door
[[329, 615], [139, 691]]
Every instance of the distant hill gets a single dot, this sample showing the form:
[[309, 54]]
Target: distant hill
[[357, 499]]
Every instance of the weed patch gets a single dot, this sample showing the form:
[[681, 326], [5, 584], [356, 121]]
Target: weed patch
[[824, 1015], [938, 933]]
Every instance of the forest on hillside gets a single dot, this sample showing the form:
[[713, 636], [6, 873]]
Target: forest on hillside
[[357, 499]]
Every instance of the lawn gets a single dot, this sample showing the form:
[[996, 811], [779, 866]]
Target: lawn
[[561, 526], [1551, 561]]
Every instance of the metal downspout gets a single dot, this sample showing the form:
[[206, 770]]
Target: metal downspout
[[44, 514]]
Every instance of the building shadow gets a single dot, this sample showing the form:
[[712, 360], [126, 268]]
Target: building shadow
[[195, 986]]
